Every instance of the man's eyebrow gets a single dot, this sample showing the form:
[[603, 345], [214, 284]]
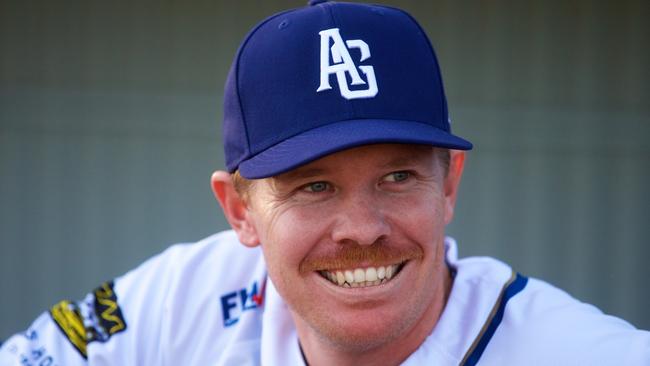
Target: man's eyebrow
[[402, 161], [300, 173]]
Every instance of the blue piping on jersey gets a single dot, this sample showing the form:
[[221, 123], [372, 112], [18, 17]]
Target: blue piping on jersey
[[516, 283]]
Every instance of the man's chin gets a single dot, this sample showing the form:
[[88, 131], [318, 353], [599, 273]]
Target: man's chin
[[360, 332]]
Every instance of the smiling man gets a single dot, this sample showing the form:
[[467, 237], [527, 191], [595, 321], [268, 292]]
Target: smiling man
[[341, 175], [354, 244]]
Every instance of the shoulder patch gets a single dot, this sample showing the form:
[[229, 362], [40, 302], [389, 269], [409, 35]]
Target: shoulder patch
[[95, 319]]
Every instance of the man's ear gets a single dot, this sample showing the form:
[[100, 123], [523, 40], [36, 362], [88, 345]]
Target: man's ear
[[452, 181], [235, 208]]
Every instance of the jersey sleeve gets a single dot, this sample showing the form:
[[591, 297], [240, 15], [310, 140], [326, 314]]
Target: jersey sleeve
[[115, 324]]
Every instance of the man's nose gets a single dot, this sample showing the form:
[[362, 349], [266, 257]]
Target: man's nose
[[361, 220]]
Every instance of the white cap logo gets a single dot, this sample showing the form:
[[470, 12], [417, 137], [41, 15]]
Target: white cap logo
[[343, 63]]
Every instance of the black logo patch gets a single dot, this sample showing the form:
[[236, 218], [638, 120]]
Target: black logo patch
[[95, 319]]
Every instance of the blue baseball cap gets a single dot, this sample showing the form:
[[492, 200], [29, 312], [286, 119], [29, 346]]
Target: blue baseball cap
[[312, 81]]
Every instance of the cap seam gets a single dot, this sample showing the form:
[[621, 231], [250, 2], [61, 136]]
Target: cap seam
[[237, 86], [351, 108]]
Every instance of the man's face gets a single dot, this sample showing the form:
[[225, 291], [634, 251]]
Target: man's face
[[354, 242]]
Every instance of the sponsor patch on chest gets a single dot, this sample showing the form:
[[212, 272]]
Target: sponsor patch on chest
[[234, 304]]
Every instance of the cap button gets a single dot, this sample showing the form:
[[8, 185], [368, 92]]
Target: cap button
[[316, 2]]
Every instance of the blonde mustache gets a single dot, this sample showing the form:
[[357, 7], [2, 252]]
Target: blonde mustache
[[350, 256]]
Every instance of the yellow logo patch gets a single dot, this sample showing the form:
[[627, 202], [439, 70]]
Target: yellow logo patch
[[96, 318], [67, 317]]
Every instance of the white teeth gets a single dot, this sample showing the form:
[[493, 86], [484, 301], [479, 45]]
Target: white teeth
[[360, 277], [371, 274], [340, 278], [349, 277], [381, 272]]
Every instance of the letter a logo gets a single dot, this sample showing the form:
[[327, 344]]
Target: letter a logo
[[343, 64]]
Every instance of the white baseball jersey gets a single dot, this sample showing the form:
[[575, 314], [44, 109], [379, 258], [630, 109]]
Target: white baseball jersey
[[210, 303]]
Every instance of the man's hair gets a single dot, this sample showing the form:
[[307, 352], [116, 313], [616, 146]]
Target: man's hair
[[243, 185]]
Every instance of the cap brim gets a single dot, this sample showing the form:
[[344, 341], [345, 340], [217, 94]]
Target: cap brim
[[316, 143]]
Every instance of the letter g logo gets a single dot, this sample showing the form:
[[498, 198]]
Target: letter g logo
[[343, 63]]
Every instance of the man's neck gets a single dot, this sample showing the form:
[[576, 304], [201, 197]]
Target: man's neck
[[318, 350]]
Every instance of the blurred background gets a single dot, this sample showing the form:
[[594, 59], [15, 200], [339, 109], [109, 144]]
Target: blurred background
[[110, 128]]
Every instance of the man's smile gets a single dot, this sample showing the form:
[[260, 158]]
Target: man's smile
[[362, 277]]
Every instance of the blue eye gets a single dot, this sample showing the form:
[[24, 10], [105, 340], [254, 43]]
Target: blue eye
[[317, 187], [398, 176]]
